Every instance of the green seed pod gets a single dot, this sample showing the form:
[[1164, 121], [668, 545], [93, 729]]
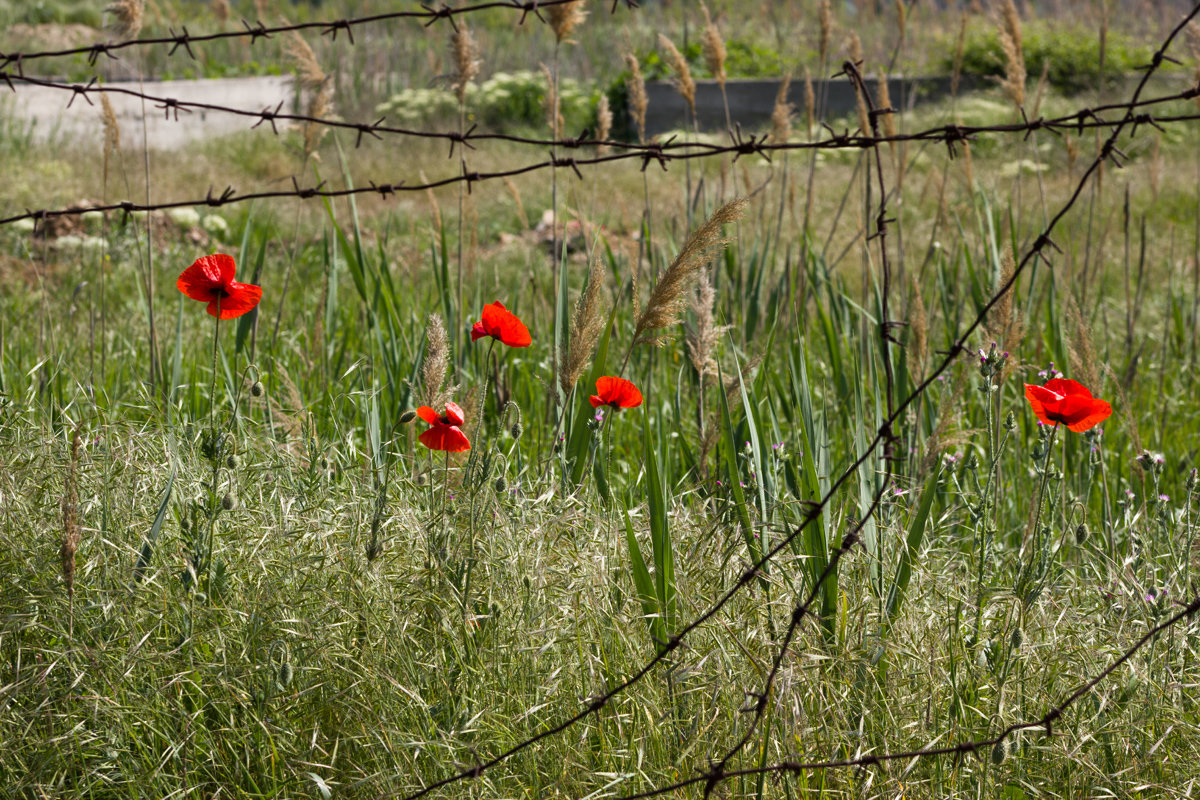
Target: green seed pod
[[517, 429], [233, 462], [228, 501], [1081, 533], [971, 462], [285, 674], [256, 389], [1017, 639], [1000, 752], [1010, 421], [407, 417], [500, 485]]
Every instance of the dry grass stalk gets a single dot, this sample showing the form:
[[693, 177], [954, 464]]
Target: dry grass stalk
[[516, 196], [221, 11], [70, 514], [586, 327], [916, 348], [1072, 151], [968, 167], [564, 18], [1193, 39], [1005, 324], [781, 114], [466, 60], [1039, 93], [1014, 54], [885, 115], [826, 18], [554, 117], [683, 73], [319, 107], [260, 9], [1155, 166], [667, 298], [127, 17], [734, 379], [959, 47], [810, 103], [944, 435], [702, 339], [637, 94], [431, 198], [436, 363], [713, 47], [604, 120]]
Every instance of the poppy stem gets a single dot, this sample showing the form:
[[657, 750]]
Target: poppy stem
[[212, 394]]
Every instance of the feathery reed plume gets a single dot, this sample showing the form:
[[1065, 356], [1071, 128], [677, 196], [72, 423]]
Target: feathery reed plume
[[781, 114], [944, 435], [586, 326], [637, 94], [1014, 54], [260, 9], [713, 47], [604, 120], [854, 48], [437, 360], [733, 383], [1193, 40], [112, 129], [810, 103], [667, 298], [319, 107], [683, 73], [959, 48], [902, 18], [70, 514], [516, 196], [563, 18], [1080, 352], [554, 117], [466, 60], [126, 17], [826, 17], [301, 57], [702, 338], [221, 11], [1004, 322], [431, 197]]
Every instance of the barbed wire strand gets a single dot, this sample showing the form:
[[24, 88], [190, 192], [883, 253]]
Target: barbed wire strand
[[661, 153], [184, 39]]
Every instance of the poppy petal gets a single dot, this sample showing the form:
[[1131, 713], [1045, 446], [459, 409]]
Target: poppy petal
[[428, 414], [499, 322], [1038, 397], [201, 279], [239, 298], [596, 401], [1099, 411], [1067, 387], [447, 438], [454, 414], [477, 331], [629, 395]]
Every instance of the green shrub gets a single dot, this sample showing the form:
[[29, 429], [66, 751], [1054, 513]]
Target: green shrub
[[1072, 53]]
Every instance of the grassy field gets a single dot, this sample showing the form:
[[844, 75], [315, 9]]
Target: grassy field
[[230, 568]]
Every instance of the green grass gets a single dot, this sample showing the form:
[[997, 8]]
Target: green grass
[[369, 623]]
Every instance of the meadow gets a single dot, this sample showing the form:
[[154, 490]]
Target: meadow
[[849, 533]]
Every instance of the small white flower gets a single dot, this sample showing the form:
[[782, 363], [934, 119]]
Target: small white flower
[[68, 241], [216, 225], [184, 217], [24, 225]]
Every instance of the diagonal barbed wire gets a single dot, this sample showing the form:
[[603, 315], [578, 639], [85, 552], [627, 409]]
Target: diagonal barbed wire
[[185, 39], [661, 153]]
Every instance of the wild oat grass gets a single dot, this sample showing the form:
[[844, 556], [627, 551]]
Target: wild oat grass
[[379, 618]]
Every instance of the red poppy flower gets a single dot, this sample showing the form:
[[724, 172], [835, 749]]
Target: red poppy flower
[[210, 280], [1067, 401], [444, 433], [616, 393], [500, 323]]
